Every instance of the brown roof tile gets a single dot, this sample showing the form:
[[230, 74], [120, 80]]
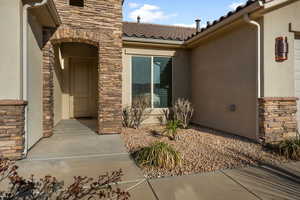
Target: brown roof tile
[[156, 31]]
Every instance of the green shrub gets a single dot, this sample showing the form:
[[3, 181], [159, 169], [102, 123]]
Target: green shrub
[[290, 149], [171, 129], [159, 154]]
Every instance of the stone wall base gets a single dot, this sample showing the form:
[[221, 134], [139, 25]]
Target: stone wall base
[[277, 119], [12, 121]]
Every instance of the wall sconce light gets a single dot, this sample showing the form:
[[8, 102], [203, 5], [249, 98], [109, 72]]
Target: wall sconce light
[[281, 49]]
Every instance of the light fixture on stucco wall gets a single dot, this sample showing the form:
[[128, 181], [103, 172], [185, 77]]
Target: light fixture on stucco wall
[[281, 49]]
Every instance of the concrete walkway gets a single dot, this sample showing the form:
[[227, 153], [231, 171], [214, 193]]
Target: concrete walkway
[[76, 150], [254, 183]]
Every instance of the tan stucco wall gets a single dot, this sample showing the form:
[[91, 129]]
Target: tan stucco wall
[[181, 72], [58, 86], [223, 73], [10, 51], [279, 76], [35, 57], [62, 97]]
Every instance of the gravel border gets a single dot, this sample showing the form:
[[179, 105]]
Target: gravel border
[[202, 150]]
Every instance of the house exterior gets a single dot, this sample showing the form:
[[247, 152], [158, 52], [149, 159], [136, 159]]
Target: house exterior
[[65, 59]]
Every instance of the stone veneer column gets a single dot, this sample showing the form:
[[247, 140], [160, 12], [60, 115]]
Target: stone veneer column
[[48, 98], [98, 23], [12, 121], [277, 119], [110, 83]]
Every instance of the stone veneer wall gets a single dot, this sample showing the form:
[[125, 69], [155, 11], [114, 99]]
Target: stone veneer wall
[[98, 23], [48, 95], [12, 121], [277, 119]]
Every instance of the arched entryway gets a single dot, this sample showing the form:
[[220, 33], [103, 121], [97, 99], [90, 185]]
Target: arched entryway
[[75, 83]]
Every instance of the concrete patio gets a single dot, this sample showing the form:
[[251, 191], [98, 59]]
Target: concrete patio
[[76, 150]]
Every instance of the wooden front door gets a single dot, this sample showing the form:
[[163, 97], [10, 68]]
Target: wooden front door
[[83, 87]]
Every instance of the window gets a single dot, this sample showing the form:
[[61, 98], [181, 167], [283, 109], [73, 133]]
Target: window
[[152, 79], [79, 3]]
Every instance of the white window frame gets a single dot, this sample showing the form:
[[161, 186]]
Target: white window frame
[[152, 77]]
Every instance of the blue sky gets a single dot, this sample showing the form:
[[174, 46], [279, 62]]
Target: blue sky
[[177, 12]]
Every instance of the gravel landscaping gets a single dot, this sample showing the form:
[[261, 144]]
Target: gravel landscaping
[[202, 150]]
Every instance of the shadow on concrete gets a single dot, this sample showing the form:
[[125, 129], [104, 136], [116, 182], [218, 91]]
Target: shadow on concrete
[[268, 180], [90, 123]]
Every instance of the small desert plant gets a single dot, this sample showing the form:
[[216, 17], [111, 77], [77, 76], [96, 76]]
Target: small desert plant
[[183, 111], [171, 129], [135, 115], [139, 111], [159, 154], [290, 149], [49, 187], [126, 117], [166, 115]]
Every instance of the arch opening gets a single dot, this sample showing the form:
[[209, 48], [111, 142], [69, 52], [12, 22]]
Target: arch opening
[[75, 83]]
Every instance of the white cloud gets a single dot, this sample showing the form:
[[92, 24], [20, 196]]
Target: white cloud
[[235, 5], [187, 25], [149, 13], [193, 25], [133, 5]]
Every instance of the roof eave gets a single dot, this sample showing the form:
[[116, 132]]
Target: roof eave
[[47, 14], [273, 5], [54, 13]]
